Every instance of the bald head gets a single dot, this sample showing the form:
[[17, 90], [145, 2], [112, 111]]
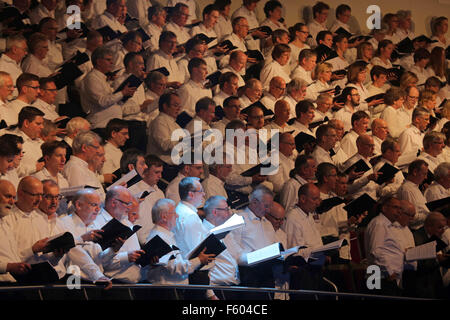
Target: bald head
[[7, 197], [276, 215], [365, 145], [435, 224], [277, 86], [380, 128], [29, 194]]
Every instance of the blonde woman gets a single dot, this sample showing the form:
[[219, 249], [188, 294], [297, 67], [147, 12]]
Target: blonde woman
[[322, 77]]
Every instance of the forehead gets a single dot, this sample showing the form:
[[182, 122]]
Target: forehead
[[51, 189], [7, 189]]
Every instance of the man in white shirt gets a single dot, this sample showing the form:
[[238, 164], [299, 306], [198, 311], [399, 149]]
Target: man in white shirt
[[326, 140], [160, 131], [409, 190], [43, 10], [277, 87], [85, 147], [231, 109], [16, 50], [228, 84], [380, 132], [114, 16], [440, 188], [383, 246], [139, 10], [9, 256], [252, 92], [122, 267], [352, 100], [150, 178], [406, 111], [194, 89], [204, 114], [304, 111], [360, 122], [280, 55], [177, 270], [178, 21], [8, 115], [306, 64], [286, 161], [30, 124], [30, 228], [257, 233], [164, 58], [28, 86], [433, 144], [186, 170], [364, 182], [225, 270], [214, 184], [97, 96], [411, 139], [154, 26], [322, 113], [46, 99], [8, 151], [390, 152], [116, 136], [295, 92], [320, 16]]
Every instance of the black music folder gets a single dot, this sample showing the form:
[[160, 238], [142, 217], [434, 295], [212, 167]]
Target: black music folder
[[113, 230], [212, 244], [360, 205], [155, 247], [64, 241]]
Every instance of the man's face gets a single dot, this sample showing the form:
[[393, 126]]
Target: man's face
[[407, 216], [393, 155], [198, 51], [222, 212], [309, 63], [137, 67], [284, 58], [152, 175], [339, 127], [48, 92], [88, 207], [241, 28], [283, 112], [309, 170], [31, 90], [35, 127], [276, 217], [366, 148], [199, 73], [7, 88], [263, 206], [438, 228], [30, 196], [105, 64], [354, 98], [210, 19], [195, 170], [174, 107], [91, 149], [345, 16], [412, 97], [57, 160], [50, 29], [122, 203], [277, 88], [141, 166], [159, 86], [182, 17], [240, 62], [256, 118], [308, 116], [21, 50], [120, 137], [133, 213], [254, 93], [393, 209], [310, 202], [287, 145], [6, 164], [119, 9], [331, 179], [160, 19], [330, 139], [422, 122], [328, 40], [341, 186], [209, 114], [322, 16], [41, 50], [7, 199], [198, 195], [50, 200], [421, 174], [437, 146], [233, 109], [171, 217], [231, 86], [361, 125]]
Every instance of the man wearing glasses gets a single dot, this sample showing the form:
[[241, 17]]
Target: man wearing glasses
[[277, 88], [46, 99], [28, 87], [31, 228], [122, 267]]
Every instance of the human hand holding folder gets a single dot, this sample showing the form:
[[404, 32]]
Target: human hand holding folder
[[206, 258]]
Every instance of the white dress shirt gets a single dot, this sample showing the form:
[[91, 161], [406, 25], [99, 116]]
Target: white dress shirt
[[433, 162], [223, 27], [159, 137], [189, 230], [8, 113], [257, 233], [411, 140], [289, 193], [190, 93], [192, 8], [436, 191], [345, 115], [391, 116], [99, 100], [139, 9], [181, 32], [270, 70], [302, 229], [383, 246], [314, 28], [314, 89], [321, 155], [363, 184], [225, 271], [145, 207], [174, 271], [161, 59], [32, 153], [154, 31], [348, 143], [213, 186], [411, 192], [107, 19], [284, 168], [112, 158], [12, 67], [389, 189], [300, 73], [77, 173], [49, 110], [59, 179]]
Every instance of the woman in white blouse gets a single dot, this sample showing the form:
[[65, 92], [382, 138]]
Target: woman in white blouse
[[437, 65], [339, 63], [299, 33], [383, 54], [322, 75], [439, 29], [394, 101]]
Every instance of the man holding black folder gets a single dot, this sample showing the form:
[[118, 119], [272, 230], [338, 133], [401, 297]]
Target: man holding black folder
[[440, 187]]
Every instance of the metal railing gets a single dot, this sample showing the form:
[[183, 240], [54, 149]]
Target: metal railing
[[269, 291]]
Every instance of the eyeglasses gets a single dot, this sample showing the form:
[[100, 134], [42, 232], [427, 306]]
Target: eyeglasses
[[226, 209], [200, 191], [35, 88], [276, 219], [50, 197], [124, 202], [33, 194], [51, 90]]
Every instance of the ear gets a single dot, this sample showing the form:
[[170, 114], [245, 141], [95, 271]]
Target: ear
[[130, 166]]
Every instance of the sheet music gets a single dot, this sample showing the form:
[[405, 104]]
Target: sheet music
[[422, 252]]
